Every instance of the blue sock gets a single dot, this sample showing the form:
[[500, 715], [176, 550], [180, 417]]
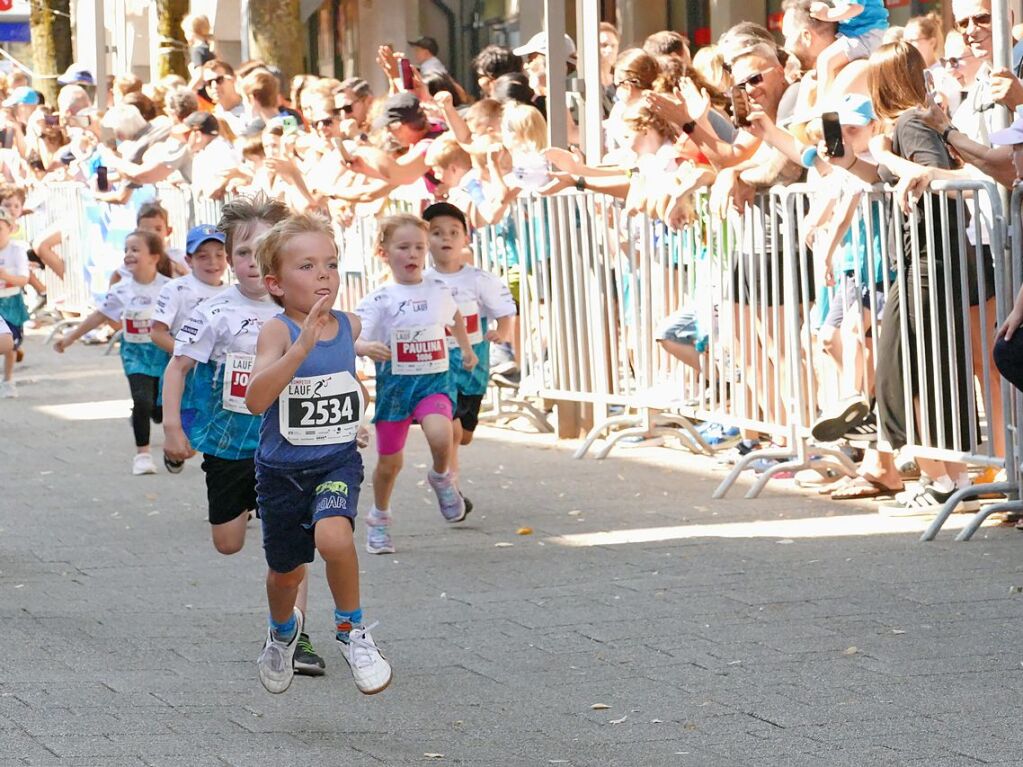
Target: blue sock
[[346, 621], [283, 632]]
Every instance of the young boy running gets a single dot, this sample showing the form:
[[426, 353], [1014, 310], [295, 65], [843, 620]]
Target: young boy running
[[308, 467], [14, 275], [481, 298], [178, 299], [219, 341]]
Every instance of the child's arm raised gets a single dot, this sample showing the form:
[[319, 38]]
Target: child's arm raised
[[175, 443], [91, 322], [469, 358], [276, 361]]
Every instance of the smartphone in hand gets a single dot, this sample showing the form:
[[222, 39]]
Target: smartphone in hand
[[405, 70], [102, 182], [740, 107], [832, 128]]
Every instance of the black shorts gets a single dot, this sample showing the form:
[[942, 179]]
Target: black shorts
[[230, 487], [467, 410]]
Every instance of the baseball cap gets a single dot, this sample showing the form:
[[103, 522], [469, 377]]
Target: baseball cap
[[427, 44], [538, 44], [77, 73], [204, 122], [439, 209], [22, 95], [197, 235], [855, 109], [399, 108]]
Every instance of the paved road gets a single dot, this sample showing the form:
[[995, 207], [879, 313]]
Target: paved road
[[129, 642]]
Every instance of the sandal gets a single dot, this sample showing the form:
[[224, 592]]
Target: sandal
[[860, 487]]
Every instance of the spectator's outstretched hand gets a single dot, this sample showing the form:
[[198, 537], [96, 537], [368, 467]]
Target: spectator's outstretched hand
[[912, 186], [1011, 324], [1006, 89], [934, 117], [667, 108], [696, 100], [387, 61], [558, 182], [570, 161], [759, 122]]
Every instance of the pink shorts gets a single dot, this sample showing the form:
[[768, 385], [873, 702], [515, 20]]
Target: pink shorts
[[391, 435]]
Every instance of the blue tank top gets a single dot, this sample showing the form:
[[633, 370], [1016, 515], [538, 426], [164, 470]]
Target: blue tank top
[[321, 408]]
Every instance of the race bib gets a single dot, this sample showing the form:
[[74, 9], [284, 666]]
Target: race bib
[[419, 351], [137, 326], [321, 410], [471, 314], [237, 371]]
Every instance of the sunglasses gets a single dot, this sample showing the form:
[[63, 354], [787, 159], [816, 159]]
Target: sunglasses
[[752, 81], [346, 108], [953, 62], [979, 20], [219, 80], [326, 122], [630, 81]]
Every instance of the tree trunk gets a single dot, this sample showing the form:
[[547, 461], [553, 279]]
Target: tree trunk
[[276, 29], [174, 56], [50, 22]]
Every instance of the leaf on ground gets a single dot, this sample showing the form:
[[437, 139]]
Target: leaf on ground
[[618, 721], [524, 531], [600, 707], [503, 545], [574, 513], [851, 650]]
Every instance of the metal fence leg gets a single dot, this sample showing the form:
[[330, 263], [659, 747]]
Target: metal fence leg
[[958, 497], [978, 519], [600, 428], [742, 463]]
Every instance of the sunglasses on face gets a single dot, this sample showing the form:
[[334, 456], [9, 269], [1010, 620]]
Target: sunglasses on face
[[628, 81], [326, 122], [219, 80], [346, 108], [952, 62], [978, 20], [753, 81]]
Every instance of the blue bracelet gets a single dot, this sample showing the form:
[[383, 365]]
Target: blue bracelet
[[809, 155]]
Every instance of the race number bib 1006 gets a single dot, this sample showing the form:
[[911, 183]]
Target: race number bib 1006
[[471, 314], [137, 326], [419, 351], [237, 371], [321, 410]]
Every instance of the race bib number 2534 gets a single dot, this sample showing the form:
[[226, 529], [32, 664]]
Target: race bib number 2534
[[322, 410]]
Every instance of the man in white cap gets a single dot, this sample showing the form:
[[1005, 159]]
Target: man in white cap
[[534, 53], [77, 74]]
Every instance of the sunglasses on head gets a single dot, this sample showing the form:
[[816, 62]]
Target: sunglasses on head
[[753, 81], [979, 20], [219, 80]]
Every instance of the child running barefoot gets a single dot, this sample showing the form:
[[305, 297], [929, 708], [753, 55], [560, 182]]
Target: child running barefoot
[[404, 333], [308, 467], [220, 336], [481, 297], [206, 258], [130, 304], [14, 275]]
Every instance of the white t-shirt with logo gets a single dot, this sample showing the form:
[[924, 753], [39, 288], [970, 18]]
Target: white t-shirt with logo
[[228, 323], [13, 259], [179, 298], [133, 304], [478, 294]]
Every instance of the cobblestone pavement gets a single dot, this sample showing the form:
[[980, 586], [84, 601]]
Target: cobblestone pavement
[[833, 641]]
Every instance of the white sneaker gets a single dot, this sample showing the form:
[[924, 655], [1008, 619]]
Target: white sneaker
[[277, 661], [8, 390], [143, 464], [372, 673]]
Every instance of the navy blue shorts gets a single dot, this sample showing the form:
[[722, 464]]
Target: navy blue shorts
[[292, 501]]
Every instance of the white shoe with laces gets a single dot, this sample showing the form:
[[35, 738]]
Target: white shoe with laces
[[8, 390], [371, 671], [143, 464], [277, 661]]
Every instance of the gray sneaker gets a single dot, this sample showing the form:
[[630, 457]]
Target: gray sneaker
[[277, 661], [307, 662]]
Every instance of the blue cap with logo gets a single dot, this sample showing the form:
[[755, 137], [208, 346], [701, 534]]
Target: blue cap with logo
[[197, 235], [22, 95]]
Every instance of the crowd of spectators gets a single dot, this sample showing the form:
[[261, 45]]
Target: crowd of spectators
[[914, 105]]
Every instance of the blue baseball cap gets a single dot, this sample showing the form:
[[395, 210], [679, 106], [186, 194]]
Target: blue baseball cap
[[197, 235], [855, 109], [22, 95]]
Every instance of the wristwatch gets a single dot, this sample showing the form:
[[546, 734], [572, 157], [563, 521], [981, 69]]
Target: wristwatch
[[580, 184], [948, 130], [689, 127]]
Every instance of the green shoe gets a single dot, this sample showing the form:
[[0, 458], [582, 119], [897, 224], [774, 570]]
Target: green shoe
[[307, 662]]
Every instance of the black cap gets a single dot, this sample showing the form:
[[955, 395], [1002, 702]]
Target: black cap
[[204, 122], [427, 44], [400, 108], [445, 209]]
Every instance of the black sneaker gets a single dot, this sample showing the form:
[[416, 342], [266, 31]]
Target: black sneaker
[[307, 662], [468, 503], [174, 467]]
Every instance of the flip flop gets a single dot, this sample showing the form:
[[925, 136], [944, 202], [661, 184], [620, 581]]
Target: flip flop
[[860, 487]]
